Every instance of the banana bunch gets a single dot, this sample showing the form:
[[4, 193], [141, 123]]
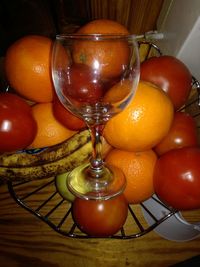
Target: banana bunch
[[49, 162]]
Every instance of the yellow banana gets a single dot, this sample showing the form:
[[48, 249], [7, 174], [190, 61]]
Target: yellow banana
[[66, 163], [24, 159]]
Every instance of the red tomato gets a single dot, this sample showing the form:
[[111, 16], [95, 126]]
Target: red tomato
[[66, 117], [17, 125], [177, 178], [183, 133], [82, 84], [100, 218], [170, 74], [17, 101]]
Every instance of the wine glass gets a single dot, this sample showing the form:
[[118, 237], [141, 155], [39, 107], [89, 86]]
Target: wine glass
[[95, 77]]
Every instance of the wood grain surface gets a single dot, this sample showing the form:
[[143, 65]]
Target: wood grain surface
[[138, 16], [26, 241]]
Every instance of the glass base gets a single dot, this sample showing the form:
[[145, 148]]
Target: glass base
[[101, 183]]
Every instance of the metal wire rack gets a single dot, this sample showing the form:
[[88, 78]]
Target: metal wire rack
[[42, 199]]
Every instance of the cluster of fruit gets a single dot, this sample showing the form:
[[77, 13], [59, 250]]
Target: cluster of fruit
[[153, 123], [33, 123], [27, 68], [153, 143], [32, 117]]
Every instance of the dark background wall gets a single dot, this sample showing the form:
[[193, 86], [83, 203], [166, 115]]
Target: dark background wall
[[48, 17]]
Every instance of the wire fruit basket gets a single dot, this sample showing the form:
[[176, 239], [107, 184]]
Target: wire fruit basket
[[42, 199]]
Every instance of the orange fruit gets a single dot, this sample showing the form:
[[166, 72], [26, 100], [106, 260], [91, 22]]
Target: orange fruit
[[144, 122], [111, 56], [103, 26], [138, 168], [106, 147], [50, 132], [27, 66], [118, 93]]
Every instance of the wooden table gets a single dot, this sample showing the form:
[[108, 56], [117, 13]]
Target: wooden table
[[26, 241]]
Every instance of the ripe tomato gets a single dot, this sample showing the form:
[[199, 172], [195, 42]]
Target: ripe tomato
[[100, 218], [66, 117], [170, 74], [82, 84], [183, 133], [177, 178], [17, 125], [17, 101]]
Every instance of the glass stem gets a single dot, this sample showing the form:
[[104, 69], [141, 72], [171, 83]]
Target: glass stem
[[96, 161]]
